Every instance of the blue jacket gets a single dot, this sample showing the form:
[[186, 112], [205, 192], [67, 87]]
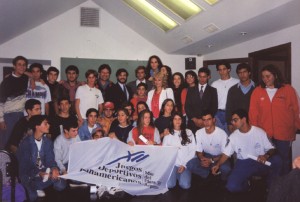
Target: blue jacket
[[84, 132], [27, 156]]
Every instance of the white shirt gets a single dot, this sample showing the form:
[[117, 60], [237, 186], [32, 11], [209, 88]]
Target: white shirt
[[255, 142], [61, 150], [137, 82], [40, 93], [271, 92], [213, 144], [185, 152], [203, 88], [89, 98], [222, 87]]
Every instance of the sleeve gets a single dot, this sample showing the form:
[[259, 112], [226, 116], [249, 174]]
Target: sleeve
[[170, 94], [149, 98], [199, 147], [254, 109], [48, 96], [183, 99], [228, 150], [130, 137], [224, 141], [50, 157], [78, 93], [295, 105], [58, 152], [214, 102], [229, 105], [188, 104], [26, 170], [191, 148], [100, 98], [157, 136]]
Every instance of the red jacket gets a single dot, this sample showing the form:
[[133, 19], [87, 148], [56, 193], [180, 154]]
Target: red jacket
[[279, 118]]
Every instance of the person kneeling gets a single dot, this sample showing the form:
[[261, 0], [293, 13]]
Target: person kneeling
[[37, 167]]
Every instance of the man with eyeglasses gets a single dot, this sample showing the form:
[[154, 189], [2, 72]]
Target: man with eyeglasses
[[249, 143]]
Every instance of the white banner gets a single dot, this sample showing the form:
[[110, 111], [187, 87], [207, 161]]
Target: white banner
[[138, 170]]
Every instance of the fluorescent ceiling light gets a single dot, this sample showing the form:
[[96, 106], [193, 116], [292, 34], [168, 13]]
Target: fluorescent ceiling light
[[211, 2], [153, 14], [183, 8]]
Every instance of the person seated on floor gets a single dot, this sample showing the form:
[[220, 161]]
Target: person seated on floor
[[98, 133], [85, 131], [211, 141], [107, 117], [37, 167], [62, 144], [64, 116], [21, 129], [145, 133], [183, 139], [248, 142], [122, 130]]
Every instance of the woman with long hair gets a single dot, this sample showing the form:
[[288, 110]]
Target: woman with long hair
[[157, 95], [167, 71], [121, 130], [183, 139], [145, 133], [190, 81], [177, 87], [153, 67], [163, 121], [274, 107]]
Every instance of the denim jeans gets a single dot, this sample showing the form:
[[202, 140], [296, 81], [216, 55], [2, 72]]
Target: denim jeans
[[10, 120], [38, 184], [194, 165], [284, 150], [183, 178], [244, 169], [221, 120]]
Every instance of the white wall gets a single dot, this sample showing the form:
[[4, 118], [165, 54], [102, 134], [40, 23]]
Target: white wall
[[63, 37], [284, 36], [281, 37]]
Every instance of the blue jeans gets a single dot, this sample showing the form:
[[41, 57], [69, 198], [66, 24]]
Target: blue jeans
[[284, 151], [10, 120], [183, 178], [37, 184], [244, 169], [221, 121], [194, 165]]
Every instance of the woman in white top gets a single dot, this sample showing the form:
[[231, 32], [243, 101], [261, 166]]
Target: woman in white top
[[159, 94], [184, 139]]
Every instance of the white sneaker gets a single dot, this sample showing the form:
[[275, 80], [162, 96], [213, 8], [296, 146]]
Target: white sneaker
[[40, 193], [114, 190], [101, 190]]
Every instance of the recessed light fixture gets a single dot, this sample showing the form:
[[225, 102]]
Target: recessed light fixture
[[183, 8], [154, 15], [211, 2], [243, 33]]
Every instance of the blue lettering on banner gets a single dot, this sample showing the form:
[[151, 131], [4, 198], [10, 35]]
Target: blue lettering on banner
[[137, 157]]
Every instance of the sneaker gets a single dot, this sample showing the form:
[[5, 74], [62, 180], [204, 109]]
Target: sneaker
[[93, 189], [40, 193], [116, 192], [101, 191]]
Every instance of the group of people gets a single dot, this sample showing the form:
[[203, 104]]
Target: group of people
[[40, 118]]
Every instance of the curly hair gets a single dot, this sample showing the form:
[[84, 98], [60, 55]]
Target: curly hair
[[163, 78]]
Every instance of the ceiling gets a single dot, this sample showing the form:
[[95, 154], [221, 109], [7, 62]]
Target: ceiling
[[255, 17]]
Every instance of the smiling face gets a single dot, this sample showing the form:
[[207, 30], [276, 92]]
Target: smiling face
[[20, 67], [168, 108], [92, 118], [268, 78], [176, 81], [122, 77], [190, 80], [122, 117], [104, 75]]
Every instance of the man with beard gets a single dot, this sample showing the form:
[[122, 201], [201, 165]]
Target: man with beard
[[119, 92]]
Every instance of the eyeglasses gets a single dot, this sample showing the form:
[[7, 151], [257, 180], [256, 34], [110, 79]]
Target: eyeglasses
[[235, 120]]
